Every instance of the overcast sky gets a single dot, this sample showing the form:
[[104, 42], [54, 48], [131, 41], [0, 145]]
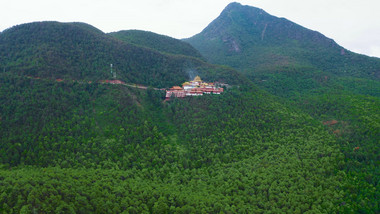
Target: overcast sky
[[354, 24]]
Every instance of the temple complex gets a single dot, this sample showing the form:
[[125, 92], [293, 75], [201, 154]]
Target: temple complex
[[195, 87]]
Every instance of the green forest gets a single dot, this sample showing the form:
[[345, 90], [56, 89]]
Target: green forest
[[312, 73], [293, 132], [77, 51], [79, 148]]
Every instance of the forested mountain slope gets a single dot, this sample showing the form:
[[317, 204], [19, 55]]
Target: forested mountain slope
[[78, 147], [339, 88], [157, 42], [82, 52], [251, 40], [85, 147]]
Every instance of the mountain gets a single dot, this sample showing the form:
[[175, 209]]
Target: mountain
[[303, 68], [157, 42], [78, 145], [251, 40], [81, 52]]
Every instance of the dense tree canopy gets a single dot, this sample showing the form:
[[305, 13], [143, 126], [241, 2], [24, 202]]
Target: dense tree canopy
[[81, 52], [80, 147], [289, 137], [157, 42]]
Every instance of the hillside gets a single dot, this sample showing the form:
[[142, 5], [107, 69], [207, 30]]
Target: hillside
[[308, 70], [81, 52], [251, 40], [293, 139], [75, 147], [157, 42]]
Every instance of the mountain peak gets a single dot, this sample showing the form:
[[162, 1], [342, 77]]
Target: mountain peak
[[238, 6], [236, 19], [248, 38], [233, 5]]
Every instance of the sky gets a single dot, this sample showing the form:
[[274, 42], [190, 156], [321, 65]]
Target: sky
[[353, 24]]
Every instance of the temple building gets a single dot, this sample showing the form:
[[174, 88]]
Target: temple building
[[195, 87]]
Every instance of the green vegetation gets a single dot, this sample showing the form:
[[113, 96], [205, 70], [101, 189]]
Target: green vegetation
[[251, 40], [81, 52], [297, 131], [107, 148], [309, 71], [157, 42]]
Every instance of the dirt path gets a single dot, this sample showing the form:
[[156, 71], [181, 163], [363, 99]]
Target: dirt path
[[113, 82]]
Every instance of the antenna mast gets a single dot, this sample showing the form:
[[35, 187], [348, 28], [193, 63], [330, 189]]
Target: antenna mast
[[112, 73]]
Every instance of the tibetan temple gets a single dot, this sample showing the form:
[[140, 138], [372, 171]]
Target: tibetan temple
[[193, 88]]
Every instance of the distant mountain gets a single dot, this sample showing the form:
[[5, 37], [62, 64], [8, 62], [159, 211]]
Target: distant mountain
[[80, 51], [251, 40], [157, 42]]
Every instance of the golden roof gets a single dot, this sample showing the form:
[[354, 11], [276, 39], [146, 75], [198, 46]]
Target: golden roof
[[197, 79], [176, 88], [185, 83]]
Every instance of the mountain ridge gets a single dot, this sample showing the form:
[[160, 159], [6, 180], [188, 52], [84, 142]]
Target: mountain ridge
[[312, 72], [80, 51], [248, 38], [157, 42]]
